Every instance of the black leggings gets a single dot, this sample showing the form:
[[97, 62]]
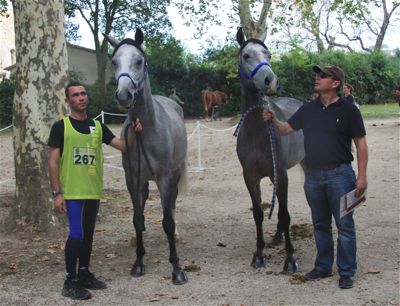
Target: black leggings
[[82, 220]]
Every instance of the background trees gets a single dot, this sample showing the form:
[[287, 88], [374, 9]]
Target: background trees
[[336, 24], [117, 17]]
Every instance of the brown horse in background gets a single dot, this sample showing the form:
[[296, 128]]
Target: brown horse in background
[[212, 98]]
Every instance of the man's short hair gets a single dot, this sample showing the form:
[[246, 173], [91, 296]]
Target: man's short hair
[[333, 71], [72, 84]]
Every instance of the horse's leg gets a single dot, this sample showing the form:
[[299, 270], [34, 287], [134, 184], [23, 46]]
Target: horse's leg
[[138, 267], [169, 193], [258, 260], [284, 221]]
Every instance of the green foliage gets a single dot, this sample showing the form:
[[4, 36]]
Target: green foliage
[[3, 7], [170, 67], [373, 76], [6, 102]]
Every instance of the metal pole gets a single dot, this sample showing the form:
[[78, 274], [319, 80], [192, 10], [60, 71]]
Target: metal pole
[[102, 117], [199, 146]]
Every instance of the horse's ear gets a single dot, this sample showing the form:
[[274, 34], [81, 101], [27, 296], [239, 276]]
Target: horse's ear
[[240, 36], [114, 42], [139, 36], [263, 36]]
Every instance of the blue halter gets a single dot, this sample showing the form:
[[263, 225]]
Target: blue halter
[[255, 70], [136, 84]]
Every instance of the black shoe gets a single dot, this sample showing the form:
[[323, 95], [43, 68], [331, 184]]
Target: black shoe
[[346, 282], [89, 281], [315, 275], [74, 290]]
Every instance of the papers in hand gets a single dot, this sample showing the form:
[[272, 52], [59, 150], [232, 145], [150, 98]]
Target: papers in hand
[[349, 202]]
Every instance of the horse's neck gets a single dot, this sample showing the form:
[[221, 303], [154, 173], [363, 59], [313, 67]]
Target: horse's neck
[[249, 98], [144, 106]]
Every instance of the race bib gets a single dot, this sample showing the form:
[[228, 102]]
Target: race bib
[[84, 156]]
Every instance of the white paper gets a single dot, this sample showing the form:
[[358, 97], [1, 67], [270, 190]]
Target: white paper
[[349, 202]]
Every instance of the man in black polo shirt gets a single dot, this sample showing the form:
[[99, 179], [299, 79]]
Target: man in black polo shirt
[[329, 125]]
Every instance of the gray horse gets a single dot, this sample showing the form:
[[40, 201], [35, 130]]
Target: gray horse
[[158, 152], [254, 143]]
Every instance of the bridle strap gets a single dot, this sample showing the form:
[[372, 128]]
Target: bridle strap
[[254, 72], [136, 84]]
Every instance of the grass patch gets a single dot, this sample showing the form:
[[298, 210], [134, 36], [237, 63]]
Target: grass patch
[[380, 110]]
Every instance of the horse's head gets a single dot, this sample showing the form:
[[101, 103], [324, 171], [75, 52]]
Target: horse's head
[[130, 67], [254, 64]]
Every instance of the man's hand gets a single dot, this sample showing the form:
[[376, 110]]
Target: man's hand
[[361, 185], [59, 203], [137, 126], [268, 114]]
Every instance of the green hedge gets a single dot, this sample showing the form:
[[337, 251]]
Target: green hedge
[[373, 76]]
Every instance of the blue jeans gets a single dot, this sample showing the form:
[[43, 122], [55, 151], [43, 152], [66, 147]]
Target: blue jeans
[[323, 190]]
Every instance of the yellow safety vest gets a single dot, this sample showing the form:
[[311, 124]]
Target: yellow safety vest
[[81, 164]]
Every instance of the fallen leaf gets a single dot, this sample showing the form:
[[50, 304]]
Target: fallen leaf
[[174, 297], [12, 266], [154, 300], [372, 270], [112, 255], [45, 258]]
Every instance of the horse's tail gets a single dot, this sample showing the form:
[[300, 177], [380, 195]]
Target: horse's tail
[[183, 181]]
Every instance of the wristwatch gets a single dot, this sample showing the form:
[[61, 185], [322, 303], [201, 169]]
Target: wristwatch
[[55, 193]]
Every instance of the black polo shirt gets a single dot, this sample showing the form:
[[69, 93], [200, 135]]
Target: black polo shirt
[[56, 139], [328, 131]]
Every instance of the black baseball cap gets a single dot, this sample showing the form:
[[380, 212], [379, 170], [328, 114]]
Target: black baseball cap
[[334, 71]]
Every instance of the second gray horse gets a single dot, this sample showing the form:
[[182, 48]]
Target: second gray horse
[[254, 142]]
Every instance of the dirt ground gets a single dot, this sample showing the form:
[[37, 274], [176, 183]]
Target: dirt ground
[[217, 237]]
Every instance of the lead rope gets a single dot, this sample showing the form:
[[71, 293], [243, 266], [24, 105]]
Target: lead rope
[[140, 146], [272, 137], [136, 208]]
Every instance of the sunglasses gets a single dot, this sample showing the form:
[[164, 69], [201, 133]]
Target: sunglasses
[[324, 75]]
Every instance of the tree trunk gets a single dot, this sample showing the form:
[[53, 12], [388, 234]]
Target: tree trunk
[[38, 102], [254, 29], [101, 58]]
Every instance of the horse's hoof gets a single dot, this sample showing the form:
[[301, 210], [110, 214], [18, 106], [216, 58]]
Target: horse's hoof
[[179, 277], [277, 238], [137, 270], [290, 266], [258, 261]]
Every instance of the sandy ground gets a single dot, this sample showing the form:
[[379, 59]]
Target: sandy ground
[[218, 237]]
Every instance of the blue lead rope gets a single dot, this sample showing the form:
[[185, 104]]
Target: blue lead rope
[[272, 137]]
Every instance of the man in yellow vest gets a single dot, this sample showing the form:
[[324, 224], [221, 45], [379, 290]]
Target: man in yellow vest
[[76, 177]]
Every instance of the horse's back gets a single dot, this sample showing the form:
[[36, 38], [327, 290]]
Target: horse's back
[[170, 125]]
